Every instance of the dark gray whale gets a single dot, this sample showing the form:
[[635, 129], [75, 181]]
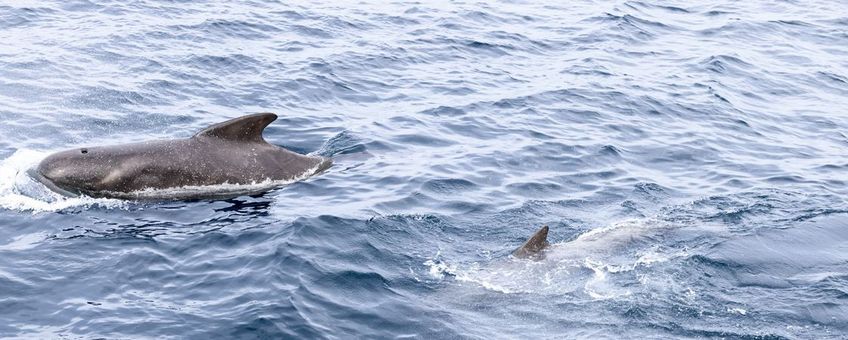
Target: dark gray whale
[[230, 154]]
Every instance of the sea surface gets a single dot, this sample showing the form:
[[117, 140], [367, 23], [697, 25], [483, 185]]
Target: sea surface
[[690, 159]]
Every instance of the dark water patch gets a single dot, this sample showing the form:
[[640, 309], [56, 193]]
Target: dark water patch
[[725, 64], [407, 122], [448, 186], [627, 27], [488, 48], [839, 79], [587, 71], [454, 91], [535, 190], [230, 28], [396, 20], [32, 65], [336, 23], [294, 46], [81, 6], [733, 29], [450, 24], [444, 111], [787, 179], [610, 151], [793, 23], [291, 14], [553, 149], [672, 9], [483, 17], [452, 48], [521, 42], [832, 167], [11, 17], [715, 13], [652, 191], [222, 64], [313, 32]]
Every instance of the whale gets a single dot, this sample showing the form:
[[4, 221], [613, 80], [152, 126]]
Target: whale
[[599, 243], [232, 156], [602, 262]]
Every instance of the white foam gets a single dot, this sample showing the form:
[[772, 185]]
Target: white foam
[[740, 311], [18, 191], [598, 286], [603, 263], [26, 241]]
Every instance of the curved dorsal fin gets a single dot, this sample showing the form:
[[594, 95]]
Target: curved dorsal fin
[[243, 129], [534, 245]]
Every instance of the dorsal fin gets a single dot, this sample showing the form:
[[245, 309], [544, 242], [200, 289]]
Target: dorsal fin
[[244, 129], [534, 245]]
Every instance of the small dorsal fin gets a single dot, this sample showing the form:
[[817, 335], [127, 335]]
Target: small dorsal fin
[[245, 129], [534, 245]]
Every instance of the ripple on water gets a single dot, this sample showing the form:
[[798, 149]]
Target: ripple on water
[[688, 158]]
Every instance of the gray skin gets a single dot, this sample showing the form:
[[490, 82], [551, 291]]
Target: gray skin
[[232, 152], [534, 246]]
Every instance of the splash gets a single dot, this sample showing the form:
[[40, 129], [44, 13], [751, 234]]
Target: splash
[[604, 263], [342, 143], [20, 192]]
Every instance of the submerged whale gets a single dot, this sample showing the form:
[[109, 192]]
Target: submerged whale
[[232, 153]]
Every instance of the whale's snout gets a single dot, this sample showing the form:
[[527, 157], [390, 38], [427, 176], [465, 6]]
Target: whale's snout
[[51, 169], [67, 172]]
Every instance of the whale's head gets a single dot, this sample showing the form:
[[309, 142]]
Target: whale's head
[[76, 171]]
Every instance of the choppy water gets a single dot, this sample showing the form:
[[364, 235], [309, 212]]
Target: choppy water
[[689, 158]]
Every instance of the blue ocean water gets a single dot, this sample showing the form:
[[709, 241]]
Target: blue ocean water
[[689, 157]]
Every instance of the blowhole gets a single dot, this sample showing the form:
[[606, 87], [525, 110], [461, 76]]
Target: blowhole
[[83, 150]]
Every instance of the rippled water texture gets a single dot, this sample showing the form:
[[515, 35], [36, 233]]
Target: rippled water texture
[[689, 159]]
